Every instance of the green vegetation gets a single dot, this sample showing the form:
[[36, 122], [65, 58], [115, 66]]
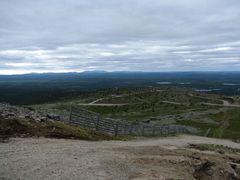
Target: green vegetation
[[199, 125], [48, 88], [230, 124], [214, 147], [153, 95], [143, 104], [180, 106]]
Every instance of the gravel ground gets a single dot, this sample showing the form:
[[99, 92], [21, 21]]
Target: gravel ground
[[41, 158]]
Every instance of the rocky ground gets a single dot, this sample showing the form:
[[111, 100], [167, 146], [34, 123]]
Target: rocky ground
[[28, 122], [42, 114], [165, 158], [8, 111]]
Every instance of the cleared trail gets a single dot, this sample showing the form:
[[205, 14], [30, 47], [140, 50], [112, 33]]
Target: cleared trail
[[225, 103]]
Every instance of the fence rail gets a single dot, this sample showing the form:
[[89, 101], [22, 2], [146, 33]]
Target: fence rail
[[88, 119]]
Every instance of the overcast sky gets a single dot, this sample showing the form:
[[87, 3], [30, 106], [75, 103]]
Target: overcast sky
[[119, 35]]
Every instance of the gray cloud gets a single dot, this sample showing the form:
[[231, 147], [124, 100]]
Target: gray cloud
[[136, 35]]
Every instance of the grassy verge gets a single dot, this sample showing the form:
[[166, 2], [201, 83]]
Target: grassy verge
[[199, 125], [213, 147]]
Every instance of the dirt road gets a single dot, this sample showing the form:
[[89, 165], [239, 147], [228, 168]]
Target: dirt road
[[225, 103], [93, 102], [137, 159], [100, 104]]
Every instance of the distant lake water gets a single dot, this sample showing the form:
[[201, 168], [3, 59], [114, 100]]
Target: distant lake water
[[184, 83], [167, 83], [206, 90], [164, 83], [230, 84]]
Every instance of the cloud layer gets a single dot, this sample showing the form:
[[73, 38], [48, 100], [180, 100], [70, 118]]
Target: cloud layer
[[113, 35]]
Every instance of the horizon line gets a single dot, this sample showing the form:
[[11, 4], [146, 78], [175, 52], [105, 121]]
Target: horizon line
[[102, 71]]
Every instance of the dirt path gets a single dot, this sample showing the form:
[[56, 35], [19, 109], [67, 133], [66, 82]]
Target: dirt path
[[171, 102], [93, 102], [71, 159], [225, 103], [100, 104]]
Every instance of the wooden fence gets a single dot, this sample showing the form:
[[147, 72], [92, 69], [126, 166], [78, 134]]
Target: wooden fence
[[90, 120]]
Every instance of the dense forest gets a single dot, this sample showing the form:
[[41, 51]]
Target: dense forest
[[41, 88]]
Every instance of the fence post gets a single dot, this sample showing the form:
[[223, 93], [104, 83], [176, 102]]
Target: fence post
[[143, 130], [97, 124], [70, 115], [153, 130], [165, 131], [168, 130], [116, 129], [130, 129], [125, 129]]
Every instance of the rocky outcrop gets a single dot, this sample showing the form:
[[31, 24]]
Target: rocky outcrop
[[11, 112]]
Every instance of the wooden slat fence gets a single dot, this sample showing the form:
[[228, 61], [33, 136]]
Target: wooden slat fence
[[91, 120]]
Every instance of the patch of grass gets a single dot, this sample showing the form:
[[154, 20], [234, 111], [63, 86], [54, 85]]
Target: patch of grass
[[139, 111], [217, 132], [199, 125], [214, 147], [228, 128], [232, 119]]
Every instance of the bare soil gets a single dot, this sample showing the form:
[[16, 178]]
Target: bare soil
[[164, 158]]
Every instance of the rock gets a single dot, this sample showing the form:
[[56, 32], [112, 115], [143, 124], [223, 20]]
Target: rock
[[54, 117], [236, 168], [30, 108], [237, 140], [27, 116], [4, 138], [220, 151], [10, 115], [43, 119], [8, 112], [147, 121], [202, 168], [37, 119]]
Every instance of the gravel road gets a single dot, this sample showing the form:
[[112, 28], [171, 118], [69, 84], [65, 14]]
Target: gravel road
[[41, 158]]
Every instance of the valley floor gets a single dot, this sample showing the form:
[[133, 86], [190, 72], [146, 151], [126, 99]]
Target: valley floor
[[160, 158]]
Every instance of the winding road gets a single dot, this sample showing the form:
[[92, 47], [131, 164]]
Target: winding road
[[225, 103]]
